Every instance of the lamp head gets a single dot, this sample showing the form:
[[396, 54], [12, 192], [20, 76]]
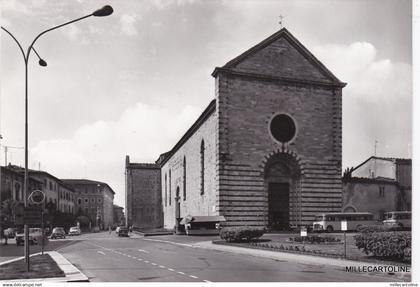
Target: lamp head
[[42, 63], [104, 11]]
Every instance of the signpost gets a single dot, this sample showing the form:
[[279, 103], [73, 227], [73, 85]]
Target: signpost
[[19, 212], [344, 228], [303, 233]]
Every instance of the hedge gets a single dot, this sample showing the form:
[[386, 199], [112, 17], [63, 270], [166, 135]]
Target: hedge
[[376, 228], [386, 245], [242, 233], [315, 239]]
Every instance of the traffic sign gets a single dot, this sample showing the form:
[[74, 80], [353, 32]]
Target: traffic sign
[[37, 196], [19, 212], [32, 215]]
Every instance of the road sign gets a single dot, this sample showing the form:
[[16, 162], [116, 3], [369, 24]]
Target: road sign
[[344, 225], [303, 232], [37, 196], [32, 215], [19, 212]]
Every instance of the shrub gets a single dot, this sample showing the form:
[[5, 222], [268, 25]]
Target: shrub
[[315, 239], [376, 228], [243, 233], [385, 245]]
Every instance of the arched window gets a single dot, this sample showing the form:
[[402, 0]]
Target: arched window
[[170, 195], [202, 168], [166, 190], [185, 179]]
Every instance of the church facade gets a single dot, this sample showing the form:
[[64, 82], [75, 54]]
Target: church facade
[[267, 150]]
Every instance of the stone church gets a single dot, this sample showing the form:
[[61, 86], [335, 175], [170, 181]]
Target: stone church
[[265, 152]]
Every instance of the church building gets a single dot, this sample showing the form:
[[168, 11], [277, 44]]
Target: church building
[[265, 152]]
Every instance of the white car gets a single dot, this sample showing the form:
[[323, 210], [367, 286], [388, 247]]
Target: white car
[[75, 231]]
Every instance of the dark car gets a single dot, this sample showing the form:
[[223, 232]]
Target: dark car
[[122, 231], [58, 232]]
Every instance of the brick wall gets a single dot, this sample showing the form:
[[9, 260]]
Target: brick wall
[[195, 202], [143, 197], [248, 95]]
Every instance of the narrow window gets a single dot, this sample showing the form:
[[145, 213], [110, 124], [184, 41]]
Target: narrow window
[[202, 168], [170, 196], [166, 191], [185, 179]]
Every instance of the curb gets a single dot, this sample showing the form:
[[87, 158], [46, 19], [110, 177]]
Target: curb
[[146, 234], [72, 274]]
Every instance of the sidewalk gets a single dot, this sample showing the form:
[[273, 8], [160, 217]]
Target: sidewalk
[[316, 260], [72, 274]]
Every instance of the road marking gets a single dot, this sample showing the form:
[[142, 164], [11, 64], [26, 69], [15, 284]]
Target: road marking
[[170, 269], [192, 276], [154, 264], [161, 266], [182, 273], [207, 281], [170, 242], [141, 250], [101, 252], [139, 259], [146, 261]]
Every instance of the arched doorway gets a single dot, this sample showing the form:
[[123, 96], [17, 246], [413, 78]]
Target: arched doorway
[[282, 184]]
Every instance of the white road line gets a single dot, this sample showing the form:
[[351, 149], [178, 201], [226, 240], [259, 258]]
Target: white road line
[[192, 276], [141, 250], [161, 266], [207, 281], [147, 261], [182, 273], [154, 264], [170, 269], [139, 259], [101, 252], [170, 242]]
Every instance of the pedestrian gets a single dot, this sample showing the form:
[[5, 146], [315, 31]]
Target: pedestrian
[[6, 236], [109, 229]]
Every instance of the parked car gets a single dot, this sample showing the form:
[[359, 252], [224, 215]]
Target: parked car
[[34, 234], [11, 232], [75, 231], [58, 233], [122, 231], [400, 219]]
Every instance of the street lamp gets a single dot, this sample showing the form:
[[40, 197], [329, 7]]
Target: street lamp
[[104, 11]]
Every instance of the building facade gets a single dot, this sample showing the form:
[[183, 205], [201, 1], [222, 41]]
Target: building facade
[[378, 185], [119, 218], [94, 199], [56, 192], [11, 184], [143, 198], [267, 150]]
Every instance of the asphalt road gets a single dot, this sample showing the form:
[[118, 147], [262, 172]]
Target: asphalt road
[[104, 257]]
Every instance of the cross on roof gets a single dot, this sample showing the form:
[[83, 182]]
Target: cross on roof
[[281, 21]]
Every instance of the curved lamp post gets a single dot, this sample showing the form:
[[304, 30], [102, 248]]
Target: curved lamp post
[[104, 11]]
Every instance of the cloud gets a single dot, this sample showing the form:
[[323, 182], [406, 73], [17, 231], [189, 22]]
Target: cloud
[[377, 102], [161, 4], [128, 25], [14, 6], [97, 150]]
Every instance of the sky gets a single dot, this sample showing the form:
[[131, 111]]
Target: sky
[[132, 83]]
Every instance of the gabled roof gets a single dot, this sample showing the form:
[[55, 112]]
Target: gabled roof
[[73, 182], [229, 66], [201, 119], [391, 159]]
